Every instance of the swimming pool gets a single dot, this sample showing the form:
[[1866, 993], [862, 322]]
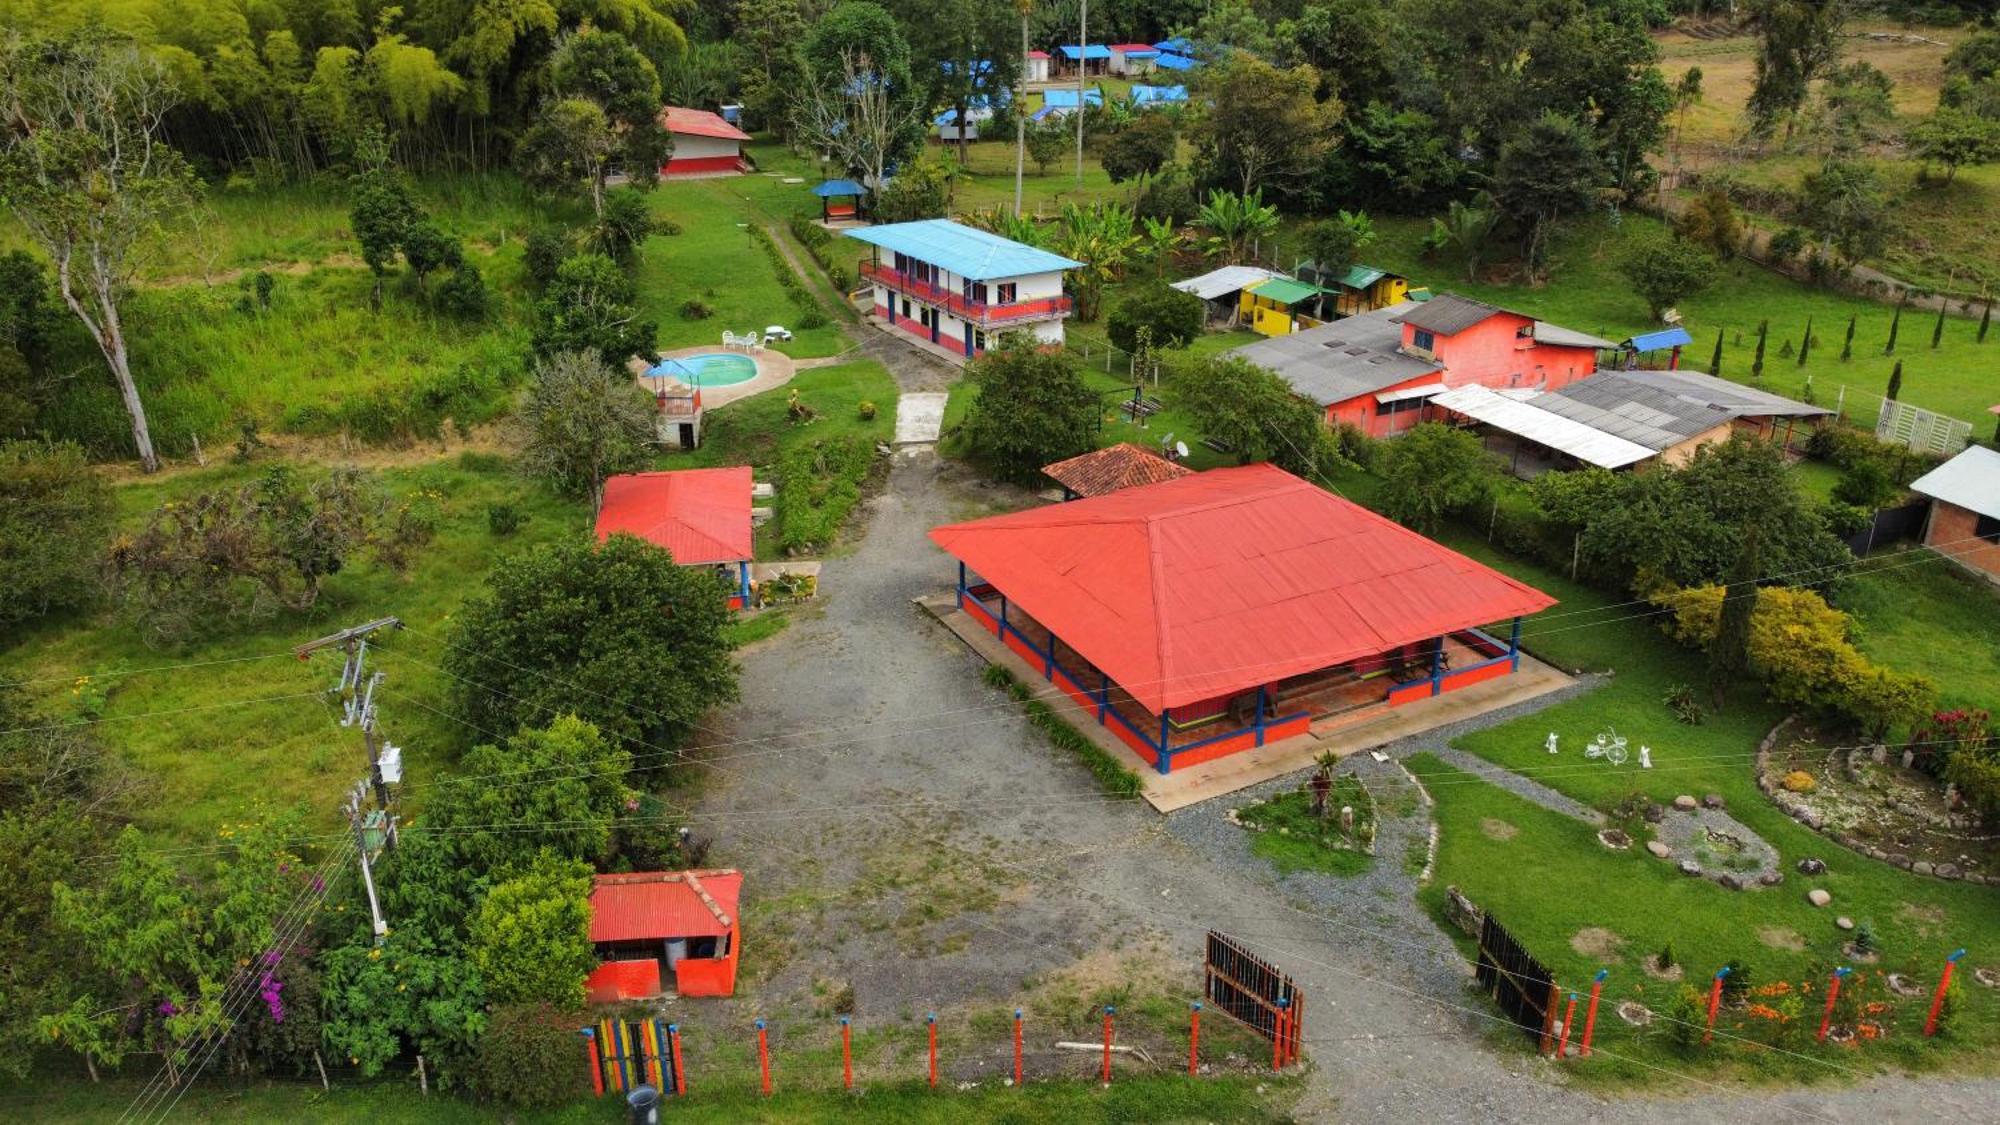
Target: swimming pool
[[717, 369]]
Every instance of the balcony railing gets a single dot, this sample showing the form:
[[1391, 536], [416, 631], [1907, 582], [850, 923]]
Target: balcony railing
[[981, 313]]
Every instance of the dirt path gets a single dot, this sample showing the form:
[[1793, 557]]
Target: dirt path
[[915, 846]]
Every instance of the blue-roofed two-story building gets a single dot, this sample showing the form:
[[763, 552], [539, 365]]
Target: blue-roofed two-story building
[[960, 287]]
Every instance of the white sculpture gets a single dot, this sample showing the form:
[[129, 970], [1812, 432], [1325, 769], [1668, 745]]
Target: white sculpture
[[1645, 756], [1551, 744]]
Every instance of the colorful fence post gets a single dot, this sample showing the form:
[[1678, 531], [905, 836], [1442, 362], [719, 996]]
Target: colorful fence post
[[1109, 1011], [1278, 1039], [680, 1072], [1937, 1000], [764, 1057], [1017, 1046], [1714, 1003], [651, 1046], [1194, 1038], [931, 1021], [846, 1055], [590, 1055], [1569, 1020], [1832, 994], [1590, 1016]]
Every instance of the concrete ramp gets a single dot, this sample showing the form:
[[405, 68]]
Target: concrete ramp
[[919, 417]]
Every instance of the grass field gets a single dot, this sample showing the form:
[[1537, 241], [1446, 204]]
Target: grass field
[[1930, 617]]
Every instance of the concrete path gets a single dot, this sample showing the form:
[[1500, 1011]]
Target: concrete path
[[1516, 784], [919, 417]]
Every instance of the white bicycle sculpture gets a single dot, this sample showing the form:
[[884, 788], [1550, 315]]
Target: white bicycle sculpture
[[1609, 745]]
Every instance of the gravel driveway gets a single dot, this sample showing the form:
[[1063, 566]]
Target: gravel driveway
[[910, 841]]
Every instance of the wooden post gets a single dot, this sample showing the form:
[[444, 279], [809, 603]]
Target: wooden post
[[1278, 1037], [764, 1057], [1194, 1039], [328, 1086], [1832, 994], [1017, 1046], [846, 1055], [1944, 982], [1569, 1020], [1109, 1011], [931, 1021]]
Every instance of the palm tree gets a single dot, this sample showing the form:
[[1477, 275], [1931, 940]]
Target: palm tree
[[1236, 222], [1102, 237], [1465, 228]]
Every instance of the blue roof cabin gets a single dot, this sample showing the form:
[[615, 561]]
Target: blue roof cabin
[[958, 287]]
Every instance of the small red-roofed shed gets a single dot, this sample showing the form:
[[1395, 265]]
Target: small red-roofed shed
[[704, 144], [1109, 469], [701, 516], [653, 926]]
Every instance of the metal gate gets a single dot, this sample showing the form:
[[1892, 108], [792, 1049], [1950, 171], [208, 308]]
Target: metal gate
[[1252, 991], [1519, 984], [626, 1053]]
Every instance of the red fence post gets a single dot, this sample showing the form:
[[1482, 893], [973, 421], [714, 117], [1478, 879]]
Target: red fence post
[[1295, 1022], [1937, 1001], [764, 1057], [1714, 1003], [590, 1055], [931, 1020], [680, 1072], [1017, 1046], [1194, 1038], [1109, 1011], [1590, 1016], [846, 1055], [1278, 1036], [1832, 994], [1569, 1020]]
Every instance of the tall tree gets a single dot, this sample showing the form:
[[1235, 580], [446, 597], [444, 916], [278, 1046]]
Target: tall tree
[[1729, 654], [1032, 408], [583, 420], [1550, 170], [1797, 40], [859, 102], [964, 51], [87, 173], [1265, 128]]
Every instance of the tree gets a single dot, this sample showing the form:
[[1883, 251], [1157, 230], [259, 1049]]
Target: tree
[[1172, 319], [1031, 409], [1854, 107], [414, 991], [1140, 149], [1715, 361], [1047, 141], [1664, 271], [1797, 40], [1548, 171], [1729, 652], [1846, 206], [558, 630], [1465, 227], [1757, 357], [1895, 388], [589, 307], [1255, 414], [1895, 326], [604, 68], [1265, 128], [858, 101], [573, 142], [1236, 223], [555, 789], [1334, 244], [624, 223], [1955, 138], [55, 516], [1103, 237], [1711, 220], [1866, 484], [531, 937], [428, 249], [1806, 342], [582, 421], [87, 174], [920, 190], [1432, 471]]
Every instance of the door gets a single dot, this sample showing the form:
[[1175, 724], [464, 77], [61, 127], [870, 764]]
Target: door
[[687, 435]]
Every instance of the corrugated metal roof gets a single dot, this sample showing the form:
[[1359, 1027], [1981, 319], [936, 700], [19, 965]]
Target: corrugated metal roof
[[1675, 337], [966, 251], [1224, 281], [1154, 95], [1424, 391], [832, 188], [700, 515], [1526, 419], [1970, 480], [1090, 51], [1546, 333], [1448, 314], [1217, 582], [1358, 355], [1661, 409], [655, 905], [1170, 61], [699, 123], [1114, 467], [1067, 99], [1285, 290]]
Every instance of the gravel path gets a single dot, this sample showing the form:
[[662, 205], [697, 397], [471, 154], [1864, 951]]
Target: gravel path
[[1517, 784], [909, 837]]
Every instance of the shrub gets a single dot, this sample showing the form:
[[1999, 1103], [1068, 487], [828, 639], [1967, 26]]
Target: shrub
[[1433, 471], [1799, 781], [527, 1057], [531, 935], [1866, 485], [1172, 318], [694, 308], [1680, 698], [55, 515], [819, 482], [504, 519], [624, 225], [812, 318], [1686, 1015], [1664, 959], [543, 251], [463, 293], [866, 411]]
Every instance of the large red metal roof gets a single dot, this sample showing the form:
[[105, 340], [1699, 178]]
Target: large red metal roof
[[654, 905], [1217, 582], [701, 515], [699, 123]]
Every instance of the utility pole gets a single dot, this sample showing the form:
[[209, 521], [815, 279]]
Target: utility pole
[[357, 696], [1021, 107], [1082, 65], [354, 817]]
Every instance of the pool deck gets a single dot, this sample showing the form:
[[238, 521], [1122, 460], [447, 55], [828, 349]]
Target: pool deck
[[774, 369]]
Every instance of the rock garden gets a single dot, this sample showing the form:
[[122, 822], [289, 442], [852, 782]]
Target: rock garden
[[1699, 837], [1328, 823]]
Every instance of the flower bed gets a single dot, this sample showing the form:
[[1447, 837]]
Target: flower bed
[[1293, 835]]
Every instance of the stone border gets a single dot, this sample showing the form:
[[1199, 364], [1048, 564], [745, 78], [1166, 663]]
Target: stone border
[[1431, 849], [1790, 804]]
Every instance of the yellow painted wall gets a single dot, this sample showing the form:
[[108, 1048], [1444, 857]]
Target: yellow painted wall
[[1260, 314]]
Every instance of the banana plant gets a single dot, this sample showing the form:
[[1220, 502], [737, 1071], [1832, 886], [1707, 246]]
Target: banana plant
[[1235, 223]]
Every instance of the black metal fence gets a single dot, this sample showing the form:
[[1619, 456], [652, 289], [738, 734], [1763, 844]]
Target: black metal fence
[[1524, 989], [1252, 991]]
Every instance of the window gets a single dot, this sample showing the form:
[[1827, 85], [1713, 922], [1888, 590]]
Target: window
[[1424, 340], [1006, 293], [979, 341], [1401, 406], [976, 291], [1987, 528]]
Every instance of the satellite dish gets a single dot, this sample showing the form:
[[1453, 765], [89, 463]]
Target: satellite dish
[[1180, 449]]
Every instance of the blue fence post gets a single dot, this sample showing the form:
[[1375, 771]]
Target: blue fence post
[[1259, 724], [1165, 762], [1003, 619], [1514, 648], [1049, 659], [1103, 696], [743, 582], [1437, 668], [961, 585]]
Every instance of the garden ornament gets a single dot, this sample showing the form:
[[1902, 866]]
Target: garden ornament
[[1645, 756], [1551, 742]]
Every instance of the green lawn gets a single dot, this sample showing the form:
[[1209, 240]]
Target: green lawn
[[1917, 613], [1149, 1098]]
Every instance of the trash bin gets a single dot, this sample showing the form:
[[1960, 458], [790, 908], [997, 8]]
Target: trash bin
[[643, 1105]]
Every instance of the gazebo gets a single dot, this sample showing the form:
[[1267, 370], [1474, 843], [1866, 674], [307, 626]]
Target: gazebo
[[1665, 340], [1207, 615], [702, 516], [829, 211]]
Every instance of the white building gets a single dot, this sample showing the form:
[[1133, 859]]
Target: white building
[[1036, 66], [704, 144], [1133, 58], [960, 287]]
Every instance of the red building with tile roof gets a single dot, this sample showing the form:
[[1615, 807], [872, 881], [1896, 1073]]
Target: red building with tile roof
[[650, 927], [704, 144], [702, 516], [1206, 615], [1109, 469]]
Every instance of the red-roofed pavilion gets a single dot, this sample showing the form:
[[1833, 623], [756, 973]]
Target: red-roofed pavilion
[[704, 143], [1209, 614], [681, 921], [702, 516]]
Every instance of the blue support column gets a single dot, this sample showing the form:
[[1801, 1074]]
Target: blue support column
[[743, 581], [1259, 723], [1166, 760], [1514, 645], [968, 337], [1103, 696], [1437, 668], [961, 585], [1049, 659]]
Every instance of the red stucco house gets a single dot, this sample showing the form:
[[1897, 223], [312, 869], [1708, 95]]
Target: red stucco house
[[1379, 369]]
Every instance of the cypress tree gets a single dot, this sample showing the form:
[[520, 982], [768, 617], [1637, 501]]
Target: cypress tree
[[1757, 362], [1715, 361], [1986, 320], [1895, 324], [1729, 653], [1937, 330], [1895, 382], [1847, 347], [1805, 345]]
